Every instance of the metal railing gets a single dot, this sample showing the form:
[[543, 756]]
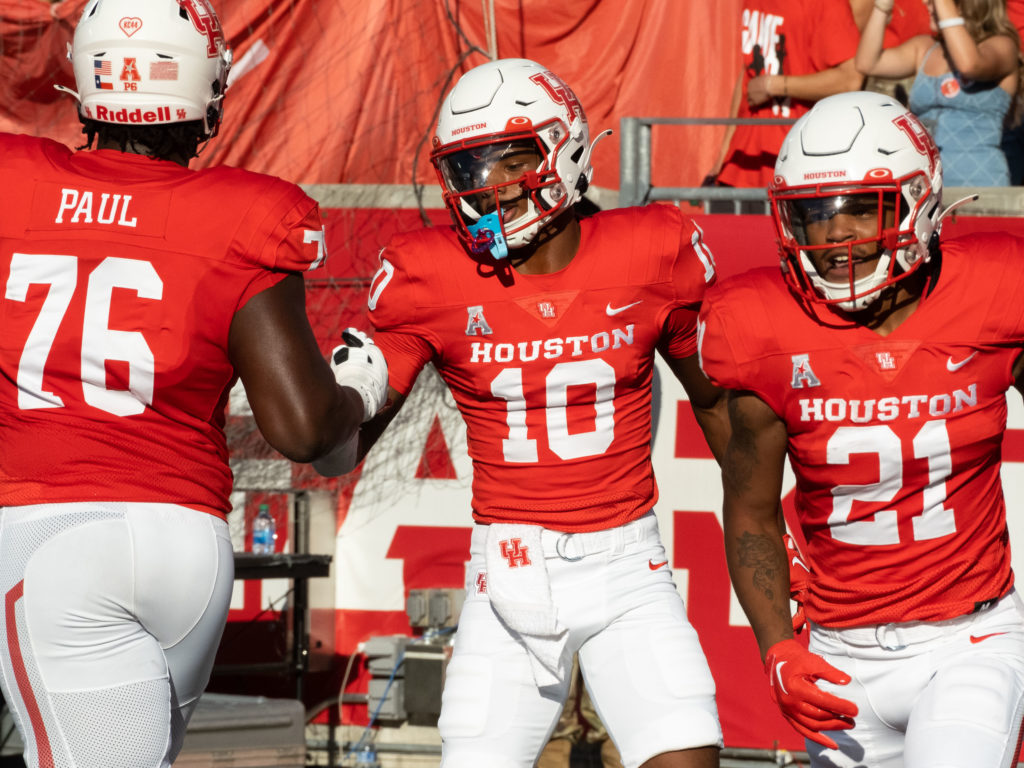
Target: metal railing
[[635, 160], [635, 187]]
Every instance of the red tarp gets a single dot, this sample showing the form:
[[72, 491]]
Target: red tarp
[[338, 91]]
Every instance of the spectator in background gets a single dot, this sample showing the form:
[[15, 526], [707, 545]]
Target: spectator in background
[[794, 53], [967, 82], [908, 18], [1013, 135]]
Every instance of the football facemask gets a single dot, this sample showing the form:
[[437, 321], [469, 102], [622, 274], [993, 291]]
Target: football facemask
[[496, 190], [838, 236]]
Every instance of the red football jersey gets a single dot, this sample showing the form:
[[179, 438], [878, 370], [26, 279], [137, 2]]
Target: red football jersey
[[895, 441], [552, 373], [121, 276], [783, 37]]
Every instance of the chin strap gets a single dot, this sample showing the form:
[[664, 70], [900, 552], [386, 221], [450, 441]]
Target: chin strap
[[953, 206]]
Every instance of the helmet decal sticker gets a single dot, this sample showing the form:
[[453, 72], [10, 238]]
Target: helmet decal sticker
[[205, 20], [130, 71], [919, 137], [130, 25], [559, 92], [102, 68]]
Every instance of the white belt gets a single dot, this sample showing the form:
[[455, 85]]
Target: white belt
[[895, 636], [576, 546]]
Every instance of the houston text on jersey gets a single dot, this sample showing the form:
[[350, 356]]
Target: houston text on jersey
[[526, 351], [887, 408]]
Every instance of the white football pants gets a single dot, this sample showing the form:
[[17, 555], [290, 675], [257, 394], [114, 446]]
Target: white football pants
[[112, 614], [641, 659], [943, 694]]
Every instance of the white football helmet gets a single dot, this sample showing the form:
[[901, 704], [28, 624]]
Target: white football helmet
[[864, 152], [150, 63], [505, 107]]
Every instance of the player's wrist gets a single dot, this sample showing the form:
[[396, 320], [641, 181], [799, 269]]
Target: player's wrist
[[781, 649]]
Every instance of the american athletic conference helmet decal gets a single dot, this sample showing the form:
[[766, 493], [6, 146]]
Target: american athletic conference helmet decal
[[852, 151], [157, 62], [497, 113]]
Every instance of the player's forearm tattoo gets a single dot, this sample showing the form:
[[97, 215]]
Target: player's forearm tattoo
[[759, 554], [741, 455]]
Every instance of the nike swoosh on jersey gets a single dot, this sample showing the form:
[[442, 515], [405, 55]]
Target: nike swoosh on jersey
[[612, 311], [655, 566], [951, 366], [979, 638]]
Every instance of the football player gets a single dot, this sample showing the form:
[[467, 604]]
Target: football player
[[135, 293], [544, 327], [878, 360]]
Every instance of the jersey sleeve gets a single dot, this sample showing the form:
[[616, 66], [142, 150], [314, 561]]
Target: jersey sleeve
[[289, 234], [693, 270], [743, 323], [280, 233], [393, 300], [717, 357]]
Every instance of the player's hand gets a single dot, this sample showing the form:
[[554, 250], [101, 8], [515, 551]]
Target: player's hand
[[799, 581], [358, 363], [792, 670]]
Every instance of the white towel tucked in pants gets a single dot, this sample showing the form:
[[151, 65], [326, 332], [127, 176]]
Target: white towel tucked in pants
[[520, 593]]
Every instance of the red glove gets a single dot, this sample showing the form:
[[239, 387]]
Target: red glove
[[799, 580], [792, 670]]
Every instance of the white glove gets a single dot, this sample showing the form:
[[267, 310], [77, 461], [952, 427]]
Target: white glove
[[358, 363]]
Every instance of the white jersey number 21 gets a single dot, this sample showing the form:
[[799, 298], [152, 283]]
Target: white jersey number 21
[[935, 520]]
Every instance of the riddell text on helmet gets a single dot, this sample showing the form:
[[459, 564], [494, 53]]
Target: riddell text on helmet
[[160, 115]]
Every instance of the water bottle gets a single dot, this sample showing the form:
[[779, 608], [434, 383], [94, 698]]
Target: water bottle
[[263, 532], [367, 757]]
